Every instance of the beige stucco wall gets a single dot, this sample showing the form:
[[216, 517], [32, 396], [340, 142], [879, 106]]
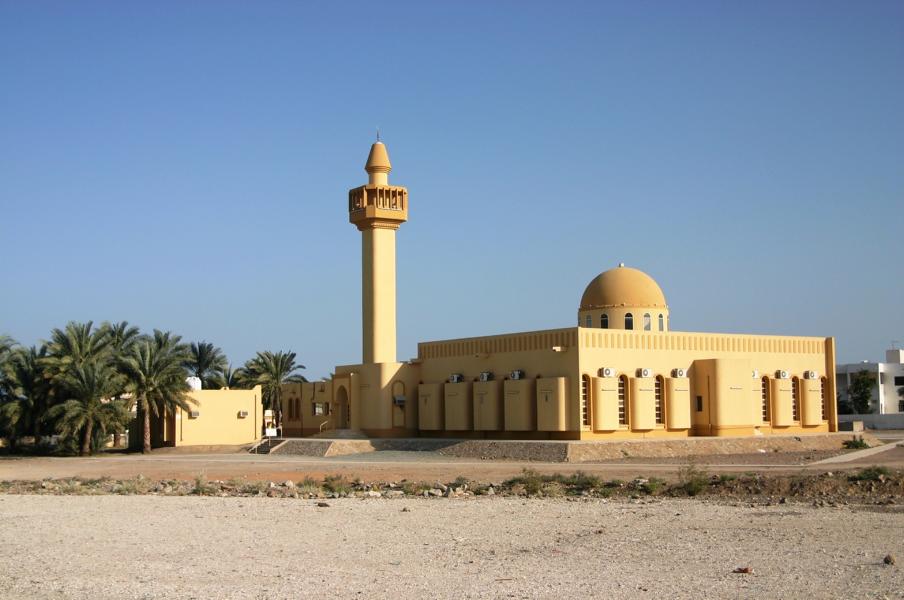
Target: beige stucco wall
[[548, 403], [218, 421]]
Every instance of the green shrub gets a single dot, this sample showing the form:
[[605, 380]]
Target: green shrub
[[337, 484], [309, 487], [139, 485], [870, 474], [652, 486], [692, 480], [855, 443], [254, 487], [202, 487], [582, 482], [726, 477], [461, 482], [415, 488]]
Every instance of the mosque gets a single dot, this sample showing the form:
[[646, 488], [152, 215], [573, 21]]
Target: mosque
[[620, 373]]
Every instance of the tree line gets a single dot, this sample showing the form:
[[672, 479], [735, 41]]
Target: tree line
[[84, 382]]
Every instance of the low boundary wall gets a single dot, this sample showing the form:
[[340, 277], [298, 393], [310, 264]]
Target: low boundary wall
[[891, 421], [569, 451]]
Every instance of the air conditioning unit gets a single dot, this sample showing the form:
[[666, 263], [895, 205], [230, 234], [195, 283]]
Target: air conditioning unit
[[679, 373], [243, 414], [756, 374], [486, 376], [194, 414], [781, 374], [607, 372], [644, 372], [517, 374], [811, 375], [456, 378]]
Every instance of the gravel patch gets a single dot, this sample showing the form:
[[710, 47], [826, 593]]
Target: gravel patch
[[210, 547]]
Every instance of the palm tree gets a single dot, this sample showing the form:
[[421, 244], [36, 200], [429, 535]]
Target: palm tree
[[28, 393], [7, 344], [90, 387], [122, 337], [229, 378], [74, 346], [270, 370], [205, 362], [156, 379]]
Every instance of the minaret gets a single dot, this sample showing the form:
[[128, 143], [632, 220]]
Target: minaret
[[377, 209]]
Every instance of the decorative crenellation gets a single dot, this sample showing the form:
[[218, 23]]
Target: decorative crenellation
[[375, 206], [384, 197], [624, 340], [519, 342]]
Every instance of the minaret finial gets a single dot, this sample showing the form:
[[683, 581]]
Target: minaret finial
[[379, 141]]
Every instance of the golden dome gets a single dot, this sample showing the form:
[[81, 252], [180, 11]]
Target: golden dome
[[622, 286]]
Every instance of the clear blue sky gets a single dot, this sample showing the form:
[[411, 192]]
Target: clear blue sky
[[184, 165]]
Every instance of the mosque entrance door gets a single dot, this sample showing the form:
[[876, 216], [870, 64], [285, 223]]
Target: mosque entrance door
[[343, 412]]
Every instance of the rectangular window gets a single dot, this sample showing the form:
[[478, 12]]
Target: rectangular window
[[764, 393], [899, 380], [320, 409], [585, 401], [658, 399], [795, 399], [900, 405], [881, 378], [622, 401], [822, 397], [699, 403]]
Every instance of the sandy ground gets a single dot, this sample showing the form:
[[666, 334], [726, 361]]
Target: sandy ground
[[189, 547], [395, 466]]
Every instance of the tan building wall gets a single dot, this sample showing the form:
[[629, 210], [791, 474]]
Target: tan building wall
[[216, 418], [224, 417], [579, 383]]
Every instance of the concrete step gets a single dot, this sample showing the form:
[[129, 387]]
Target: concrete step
[[340, 434]]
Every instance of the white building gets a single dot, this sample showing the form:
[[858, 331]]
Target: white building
[[887, 378]]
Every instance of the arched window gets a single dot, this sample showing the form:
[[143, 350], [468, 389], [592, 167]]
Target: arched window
[[622, 400], [822, 396], [657, 389], [629, 321], [647, 322], [661, 323], [585, 400], [795, 399], [604, 321], [764, 394], [589, 321]]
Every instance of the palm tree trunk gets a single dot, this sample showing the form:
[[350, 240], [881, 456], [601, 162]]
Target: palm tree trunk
[[37, 431], [146, 446], [86, 439]]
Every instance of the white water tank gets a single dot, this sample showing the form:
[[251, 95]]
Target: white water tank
[[194, 383]]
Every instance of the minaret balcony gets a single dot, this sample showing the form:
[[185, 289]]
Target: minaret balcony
[[378, 205]]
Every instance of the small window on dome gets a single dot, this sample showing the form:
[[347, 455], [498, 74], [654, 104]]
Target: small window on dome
[[589, 321], [647, 322], [629, 321], [604, 321], [661, 323]]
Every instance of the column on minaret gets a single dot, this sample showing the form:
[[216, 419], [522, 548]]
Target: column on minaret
[[377, 209]]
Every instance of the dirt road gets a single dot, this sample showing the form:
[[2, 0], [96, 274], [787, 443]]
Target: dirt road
[[391, 466], [199, 547]]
